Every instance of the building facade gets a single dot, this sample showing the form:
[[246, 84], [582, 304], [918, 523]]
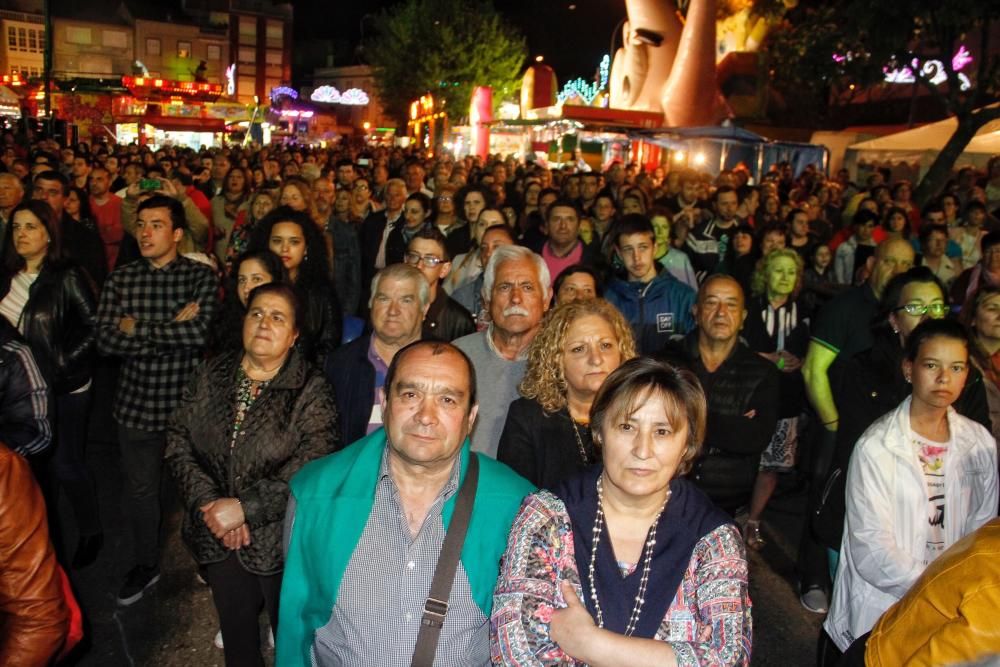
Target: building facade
[[23, 37]]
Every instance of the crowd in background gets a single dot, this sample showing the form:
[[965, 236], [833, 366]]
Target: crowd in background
[[793, 299]]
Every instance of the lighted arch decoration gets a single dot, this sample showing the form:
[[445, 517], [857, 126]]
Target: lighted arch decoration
[[354, 97], [284, 91], [326, 94]]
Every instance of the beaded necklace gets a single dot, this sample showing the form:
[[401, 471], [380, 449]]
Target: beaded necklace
[[647, 561]]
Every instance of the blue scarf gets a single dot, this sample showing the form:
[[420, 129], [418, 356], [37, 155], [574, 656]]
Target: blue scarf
[[687, 518]]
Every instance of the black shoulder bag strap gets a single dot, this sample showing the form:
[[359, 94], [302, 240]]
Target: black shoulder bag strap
[[436, 607]]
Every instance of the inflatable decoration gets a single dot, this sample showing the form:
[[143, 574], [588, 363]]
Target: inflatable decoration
[[667, 63]]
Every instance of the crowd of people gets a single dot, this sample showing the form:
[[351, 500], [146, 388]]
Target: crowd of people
[[449, 411]]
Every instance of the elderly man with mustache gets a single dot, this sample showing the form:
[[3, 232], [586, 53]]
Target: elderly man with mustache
[[516, 295]]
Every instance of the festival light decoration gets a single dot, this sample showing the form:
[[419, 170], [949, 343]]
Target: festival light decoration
[[587, 91], [231, 80], [295, 113], [284, 91], [354, 97], [326, 95]]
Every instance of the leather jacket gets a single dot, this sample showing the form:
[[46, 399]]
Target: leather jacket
[[949, 615], [33, 614], [59, 322]]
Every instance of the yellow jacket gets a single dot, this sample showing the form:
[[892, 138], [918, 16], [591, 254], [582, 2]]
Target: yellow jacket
[[950, 614]]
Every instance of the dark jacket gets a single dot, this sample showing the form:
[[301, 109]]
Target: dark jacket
[[60, 325], [346, 265], [293, 421], [743, 406], [542, 447], [369, 239], [796, 341], [446, 319], [323, 323], [352, 377], [84, 244], [865, 387], [656, 310], [24, 396]]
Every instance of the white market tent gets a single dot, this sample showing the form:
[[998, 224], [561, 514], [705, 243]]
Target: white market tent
[[910, 153]]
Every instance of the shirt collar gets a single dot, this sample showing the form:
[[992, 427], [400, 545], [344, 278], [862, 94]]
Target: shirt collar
[[446, 492]]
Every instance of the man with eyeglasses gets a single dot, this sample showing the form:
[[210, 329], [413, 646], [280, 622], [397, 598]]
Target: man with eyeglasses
[[446, 318]]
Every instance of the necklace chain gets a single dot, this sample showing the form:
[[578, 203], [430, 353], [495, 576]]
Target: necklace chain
[[579, 442], [647, 559]]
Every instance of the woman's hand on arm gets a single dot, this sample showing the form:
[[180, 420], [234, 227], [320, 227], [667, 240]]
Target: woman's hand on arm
[[237, 538], [576, 633]]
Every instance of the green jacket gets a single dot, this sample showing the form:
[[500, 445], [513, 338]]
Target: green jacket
[[334, 497]]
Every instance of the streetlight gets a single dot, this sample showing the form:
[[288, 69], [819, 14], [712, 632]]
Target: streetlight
[[539, 59]]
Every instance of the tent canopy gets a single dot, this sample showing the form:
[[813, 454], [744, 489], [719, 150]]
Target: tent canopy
[[911, 152]]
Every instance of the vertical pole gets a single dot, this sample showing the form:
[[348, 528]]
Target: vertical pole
[[47, 59]]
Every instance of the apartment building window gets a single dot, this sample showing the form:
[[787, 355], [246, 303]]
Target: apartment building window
[[22, 39], [248, 30], [41, 40], [32, 40], [275, 34], [152, 46], [78, 35], [115, 39], [183, 49], [247, 56], [12, 38], [214, 52]]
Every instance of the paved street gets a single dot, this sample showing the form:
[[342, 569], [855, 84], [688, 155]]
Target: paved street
[[174, 625]]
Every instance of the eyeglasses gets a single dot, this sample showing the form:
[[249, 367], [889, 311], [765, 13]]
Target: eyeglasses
[[360, 186], [414, 258], [444, 198], [918, 309]]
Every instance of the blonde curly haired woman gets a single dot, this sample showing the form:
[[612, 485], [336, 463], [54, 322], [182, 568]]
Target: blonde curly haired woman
[[547, 435]]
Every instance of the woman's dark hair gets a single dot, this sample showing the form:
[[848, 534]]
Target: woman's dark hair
[[642, 378], [895, 210], [425, 201], [285, 291], [84, 197], [894, 289], [315, 267], [12, 262], [573, 270], [929, 329], [226, 331]]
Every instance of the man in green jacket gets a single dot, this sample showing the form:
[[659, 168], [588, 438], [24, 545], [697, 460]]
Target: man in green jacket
[[365, 527]]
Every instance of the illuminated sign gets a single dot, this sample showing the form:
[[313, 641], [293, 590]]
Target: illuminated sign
[[295, 113], [284, 91], [354, 97], [166, 87], [231, 79], [587, 91], [12, 80], [325, 94], [933, 70]]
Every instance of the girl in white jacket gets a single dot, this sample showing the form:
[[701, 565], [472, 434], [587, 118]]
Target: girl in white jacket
[[920, 478]]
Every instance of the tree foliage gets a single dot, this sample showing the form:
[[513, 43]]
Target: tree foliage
[[830, 51], [447, 48]]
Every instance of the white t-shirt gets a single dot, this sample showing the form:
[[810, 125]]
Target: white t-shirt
[[932, 457], [13, 304]]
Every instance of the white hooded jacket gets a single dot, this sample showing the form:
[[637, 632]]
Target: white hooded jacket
[[886, 525]]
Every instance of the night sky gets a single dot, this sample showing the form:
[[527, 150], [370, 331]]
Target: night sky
[[572, 41]]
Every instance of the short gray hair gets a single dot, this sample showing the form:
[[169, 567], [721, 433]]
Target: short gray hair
[[509, 253], [402, 272]]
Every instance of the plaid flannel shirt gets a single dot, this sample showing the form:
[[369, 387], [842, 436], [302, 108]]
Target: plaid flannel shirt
[[161, 353]]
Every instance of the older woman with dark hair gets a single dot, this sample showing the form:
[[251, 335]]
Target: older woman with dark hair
[[250, 270], [547, 436], [627, 563], [578, 282], [247, 422], [52, 301], [293, 236]]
